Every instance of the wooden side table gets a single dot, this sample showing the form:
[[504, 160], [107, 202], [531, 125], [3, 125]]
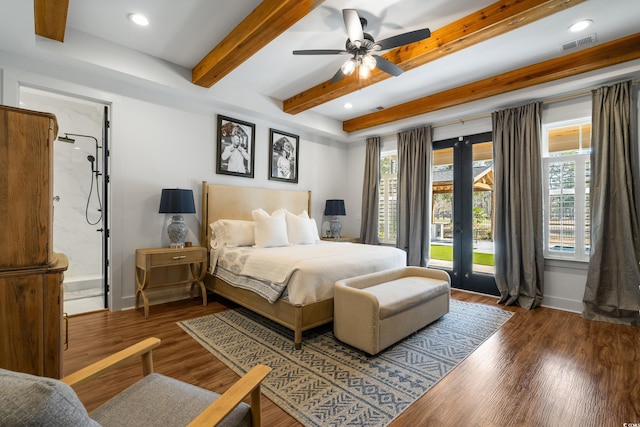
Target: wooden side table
[[341, 239], [146, 259]]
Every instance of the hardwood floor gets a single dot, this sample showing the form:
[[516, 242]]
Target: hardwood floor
[[544, 367]]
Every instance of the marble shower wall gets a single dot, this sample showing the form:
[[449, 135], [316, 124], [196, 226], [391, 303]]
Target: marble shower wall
[[72, 175]]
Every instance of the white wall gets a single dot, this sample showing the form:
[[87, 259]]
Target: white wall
[[155, 145]]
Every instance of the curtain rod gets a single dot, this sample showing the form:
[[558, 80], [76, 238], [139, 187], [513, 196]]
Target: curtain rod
[[482, 116]]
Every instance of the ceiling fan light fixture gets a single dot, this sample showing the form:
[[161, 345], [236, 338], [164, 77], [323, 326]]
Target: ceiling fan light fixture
[[369, 61], [364, 72], [360, 45], [348, 67]]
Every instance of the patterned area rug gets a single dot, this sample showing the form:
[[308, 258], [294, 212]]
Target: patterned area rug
[[327, 383]]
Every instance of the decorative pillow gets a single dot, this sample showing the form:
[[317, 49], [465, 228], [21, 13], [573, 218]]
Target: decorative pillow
[[299, 229], [39, 401], [239, 232], [233, 233], [218, 238], [271, 231]]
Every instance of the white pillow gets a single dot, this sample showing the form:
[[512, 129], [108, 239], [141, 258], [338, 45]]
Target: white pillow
[[270, 231], [314, 230], [299, 229]]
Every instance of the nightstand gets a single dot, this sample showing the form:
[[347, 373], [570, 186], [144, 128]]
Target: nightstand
[[147, 259], [351, 239]]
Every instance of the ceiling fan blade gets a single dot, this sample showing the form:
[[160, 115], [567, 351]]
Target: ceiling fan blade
[[319, 52], [402, 39], [337, 76], [387, 66], [353, 26]]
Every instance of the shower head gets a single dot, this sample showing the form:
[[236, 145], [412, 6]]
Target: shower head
[[66, 139], [91, 158]]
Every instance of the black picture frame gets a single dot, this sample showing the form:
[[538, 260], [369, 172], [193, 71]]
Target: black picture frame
[[240, 155], [284, 156]]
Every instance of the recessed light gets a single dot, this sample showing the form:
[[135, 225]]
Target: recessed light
[[580, 25], [348, 105], [138, 19]]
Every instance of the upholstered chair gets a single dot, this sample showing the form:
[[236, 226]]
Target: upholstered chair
[[155, 400]]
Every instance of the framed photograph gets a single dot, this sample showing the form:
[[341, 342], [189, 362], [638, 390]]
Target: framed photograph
[[236, 146], [283, 156]]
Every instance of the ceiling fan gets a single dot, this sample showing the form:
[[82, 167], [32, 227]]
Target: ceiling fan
[[360, 46]]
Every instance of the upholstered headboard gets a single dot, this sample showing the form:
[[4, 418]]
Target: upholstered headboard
[[234, 202]]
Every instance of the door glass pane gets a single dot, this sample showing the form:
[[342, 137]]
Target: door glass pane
[[483, 261], [442, 209]]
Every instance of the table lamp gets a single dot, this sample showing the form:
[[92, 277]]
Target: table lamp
[[177, 201], [334, 208]]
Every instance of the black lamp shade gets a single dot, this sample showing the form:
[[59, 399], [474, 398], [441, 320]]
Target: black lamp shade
[[334, 207], [177, 201]]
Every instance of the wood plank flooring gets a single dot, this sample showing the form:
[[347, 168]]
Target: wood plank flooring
[[544, 367]]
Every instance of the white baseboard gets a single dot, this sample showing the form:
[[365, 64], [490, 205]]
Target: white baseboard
[[562, 304]]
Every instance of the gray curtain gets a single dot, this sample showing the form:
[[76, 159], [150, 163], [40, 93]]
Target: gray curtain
[[611, 293], [414, 194], [370, 189], [519, 259]]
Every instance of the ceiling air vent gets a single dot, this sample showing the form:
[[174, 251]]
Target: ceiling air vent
[[575, 44]]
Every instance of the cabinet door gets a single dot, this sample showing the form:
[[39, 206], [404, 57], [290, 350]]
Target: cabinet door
[[21, 314], [52, 317], [26, 187]]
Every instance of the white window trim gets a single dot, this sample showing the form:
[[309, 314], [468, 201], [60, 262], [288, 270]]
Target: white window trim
[[386, 178], [580, 188]]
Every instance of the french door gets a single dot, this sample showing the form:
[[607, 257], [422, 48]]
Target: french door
[[462, 212]]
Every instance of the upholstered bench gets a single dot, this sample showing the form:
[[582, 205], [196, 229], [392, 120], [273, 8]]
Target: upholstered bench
[[375, 310]]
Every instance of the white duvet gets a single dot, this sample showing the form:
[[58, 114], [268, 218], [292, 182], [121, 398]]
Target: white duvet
[[302, 273]]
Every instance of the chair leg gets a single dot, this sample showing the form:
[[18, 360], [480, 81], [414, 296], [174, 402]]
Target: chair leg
[[147, 363], [256, 409]]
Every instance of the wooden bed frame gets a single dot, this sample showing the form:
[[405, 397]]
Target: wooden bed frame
[[231, 202]]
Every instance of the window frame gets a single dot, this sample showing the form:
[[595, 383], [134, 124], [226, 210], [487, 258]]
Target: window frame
[[580, 192], [384, 203]]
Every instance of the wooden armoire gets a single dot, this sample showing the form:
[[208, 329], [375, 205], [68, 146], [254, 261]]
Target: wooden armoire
[[31, 274]]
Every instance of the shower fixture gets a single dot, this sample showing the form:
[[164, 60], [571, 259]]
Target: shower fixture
[[67, 140], [95, 173]]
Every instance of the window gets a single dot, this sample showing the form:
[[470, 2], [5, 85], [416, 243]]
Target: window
[[387, 203], [566, 173]]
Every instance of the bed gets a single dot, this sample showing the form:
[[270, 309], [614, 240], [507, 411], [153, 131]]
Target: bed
[[293, 311]]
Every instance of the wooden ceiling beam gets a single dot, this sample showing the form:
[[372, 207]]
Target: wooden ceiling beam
[[50, 18], [267, 21], [494, 20], [605, 55]]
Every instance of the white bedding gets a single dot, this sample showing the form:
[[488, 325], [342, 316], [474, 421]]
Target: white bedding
[[302, 273]]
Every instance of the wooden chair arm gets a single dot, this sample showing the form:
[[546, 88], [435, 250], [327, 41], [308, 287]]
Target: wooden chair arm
[[143, 348], [248, 384]]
